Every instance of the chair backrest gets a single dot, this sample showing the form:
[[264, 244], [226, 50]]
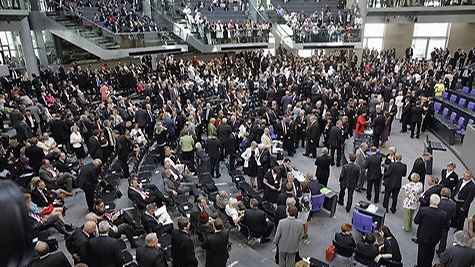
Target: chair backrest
[[453, 116], [437, 106], [472, 93], [453, 98], [445, 95], [470, 121], [445, 112], [460, 122], [317, 202], [127, 257], [465, 89], [362, 222], [343, 251], [462, 102], [471, 105]]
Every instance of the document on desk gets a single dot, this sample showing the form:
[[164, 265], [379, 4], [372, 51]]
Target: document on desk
[[163, 216], [325, 190], [372, 208]]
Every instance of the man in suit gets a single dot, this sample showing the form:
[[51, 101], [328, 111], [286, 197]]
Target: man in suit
[[78, 241], [142, 195], [416, 119], [360, 160], [216, 245], [46, 259], [460, 254], [122, 148], [373, 167], [447, 205], [256, 220], [301, 122], [213, 148], [429, 111], [88, 180], [223, 131], [287, 237], [282, 131], [202, 205], [378, 126], [141, 118], [24, 131], [104, 251], [392, 181], [336, 141], [348, 180], [449, 177], [151, 255], [432, 221], [183, 251], [233, 148], [419, 166], [434, 188], [35, 154], [313, 134], [94, 145], [59, 131], [323, 167], [463, 195], [152, 224], [54, 178], [406, 114]]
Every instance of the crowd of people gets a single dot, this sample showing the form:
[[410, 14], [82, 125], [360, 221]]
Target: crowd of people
[[225, 109]]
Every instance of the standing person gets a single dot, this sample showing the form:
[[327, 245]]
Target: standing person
[[313, 134], [360, 161], [449, 177], [323, 167], [104, 250], [88, 180], [419, 166], [361, 123], [183, 251], [416, 119], [287, 237], [348, 180], [186, 144], [272, 185], [213, 148], [47, 259], [450, 207], [460, 254], [412, 192], [263, 166], [216, 246], [387, 129], [373, 167], [122, 149], [77, 142], [389, 249], [392, 182], [432, 222], [151, 255], [335, 141], [406, 114], [378, 126], [301, 122], [251, 158], [305, 204], [463, 195]]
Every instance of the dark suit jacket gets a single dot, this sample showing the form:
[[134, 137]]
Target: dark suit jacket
[[59, 130], [449, 181], [141, 117], [88, 177], [378, 124], [36, 155], [313, 133], [79, 243], [213, 148], [416, 114], [151, 257], [137, 199], [458, 256], [94, 148], [465, 195], [393, 175], [419, 167], [57, 259], [104, 251], [424, 199], [216, 249], [315, 187], [255, 219], [431, 221], [323, 166], [373, 165], [349, 176], [449, 207], [346, 241], [406, 113], [183, 252], [335, 137], [23, 132], [39, 200]]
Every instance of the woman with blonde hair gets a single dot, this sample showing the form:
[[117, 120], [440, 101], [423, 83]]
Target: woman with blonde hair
[[412, 192], [251, 162], [77, 141]]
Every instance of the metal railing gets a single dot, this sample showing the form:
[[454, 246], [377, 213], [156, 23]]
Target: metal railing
[[325, 35], [417, 3]]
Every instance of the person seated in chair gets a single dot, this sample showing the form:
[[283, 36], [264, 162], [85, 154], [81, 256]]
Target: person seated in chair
[[43, 197], [152, 224], [345, 238], [368, 248], [55, 179], [314, 184], [232, 211], [141, 195], [175, 185], [257, 222], [62, 165], [221, 200], [151, 254], [201, 205]]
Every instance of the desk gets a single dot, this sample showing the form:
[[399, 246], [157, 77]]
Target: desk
[[430, 146], [377, 216], [331, 198]]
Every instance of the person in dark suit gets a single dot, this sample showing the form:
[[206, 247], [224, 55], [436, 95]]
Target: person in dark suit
[[94, 145], [460, 254], [142, 195], [429, 111], [255, 219], [88, 180], [59, 131], [450, 207], [367, 246], [123, 148], [24, 131], [313, 183], [35, 154], [301, 122], [233, 148], [104, 251], [152, 224], [463, 195], [348, 180], [336, 141], [47, 259], [283, 134], [151, 255], [378, 126], [141, 118], [416, 119], [344, 238], [419, 166], [216, 246], [323, 167], [406, 114], [432, 221], [374, 175], [392, 182], [313, 134], [449, 177], [434, 188], [78, 241], [213, 148], [183, 251]]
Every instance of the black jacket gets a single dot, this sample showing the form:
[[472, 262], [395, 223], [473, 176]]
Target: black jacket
[[213, 148], [183, 251], [323, 166], [378, 124], [104, 251], [424, 199], [449, 181], [449, 206], [419, 167], [335, 137], [255, 219], [150, 257], [216, 246], [465, 195], [94, 148], [416, 114], [431, 221], [393, 175], [373, 165], [57, 259], [349, 176]]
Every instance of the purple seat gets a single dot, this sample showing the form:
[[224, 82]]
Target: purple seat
[[317, 202], [445, 95], [362, 222], [460, 122], [470, 122], [445, 112], [465, 90], [472, 93], [453, 98], [462, 102], [453, 116], [461, 131], [272, 135], [437, 107], [471, 106]]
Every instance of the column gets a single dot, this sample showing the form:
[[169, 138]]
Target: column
[[42, 48], [27, 47], [147, 10]]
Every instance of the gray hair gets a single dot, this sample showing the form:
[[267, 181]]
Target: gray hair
[[150, 238], [253, 143], [461, 238], [435, 179], [103, 227], [290, 201], [434, 200]]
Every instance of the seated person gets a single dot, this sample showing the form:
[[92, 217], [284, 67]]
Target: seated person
[[345, 238], [62, 165], [175, 185], [142, 195], [46, 211], [368, 248], [55, 179], [221, 199], [182, 172], [44, 197], [314, 184], [257, 222], [202, 157], [201, 205], [41, 223], [57, 259], [152, 224], [205, 226], [232, 212]]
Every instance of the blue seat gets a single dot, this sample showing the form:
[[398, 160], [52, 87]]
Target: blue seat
[[317, 202], [471, 106], [472, 93], [465, 90], [445, 112], [445, 95], [272, 135], [453, 116], [362, 222], [462, 102], [437, 107], [453, 98], [461, 132], [461, 122]]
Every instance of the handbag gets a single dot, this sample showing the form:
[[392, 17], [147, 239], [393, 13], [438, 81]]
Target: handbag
[[330, 253], [48, 210]]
